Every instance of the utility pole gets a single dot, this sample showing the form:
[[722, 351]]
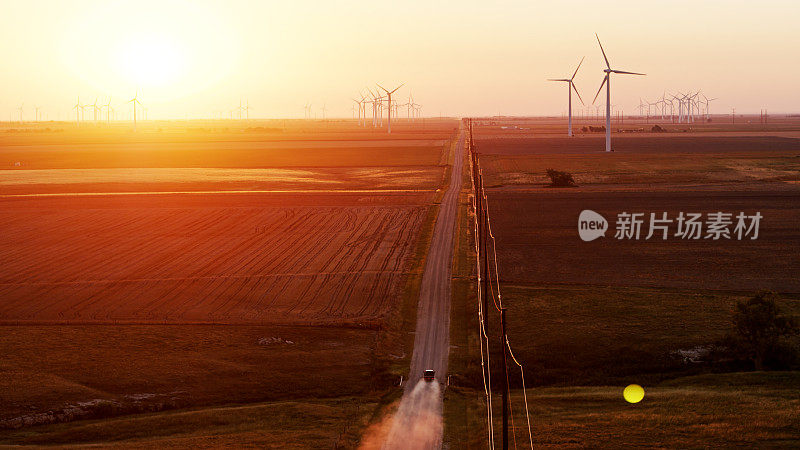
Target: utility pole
[[505, 378], [733, 115]]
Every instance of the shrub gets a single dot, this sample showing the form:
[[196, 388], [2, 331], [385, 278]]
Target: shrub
[[560, 179], [762, 333]]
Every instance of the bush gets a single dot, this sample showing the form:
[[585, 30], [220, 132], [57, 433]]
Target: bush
[[762, 333], [560, 179], [657, 129]]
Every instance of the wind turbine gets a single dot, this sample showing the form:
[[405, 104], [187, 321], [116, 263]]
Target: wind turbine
[[708, 100], [389, 97], [570, 88], [77, 109], [108, 110], [607, 81], [641, 107], [357, 102], [21, 110], [135, 100], [375, 101], [247, 110]]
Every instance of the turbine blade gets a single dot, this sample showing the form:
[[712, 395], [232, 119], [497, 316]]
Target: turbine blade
[[628, 73], [558, 79], [398, 87], [601, 88], [601, 49], [576, 69], [576, 91]]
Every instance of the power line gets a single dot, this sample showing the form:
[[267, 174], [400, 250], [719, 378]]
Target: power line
[[482, 337], [483, 233]]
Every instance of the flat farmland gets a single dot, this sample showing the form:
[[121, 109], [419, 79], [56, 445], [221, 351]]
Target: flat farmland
[[235, 258], [623, 310], [542, 245], [85, 162], [648, 143], [167, 270]]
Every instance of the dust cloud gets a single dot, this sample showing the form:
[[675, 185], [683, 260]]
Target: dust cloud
[[417, 424]]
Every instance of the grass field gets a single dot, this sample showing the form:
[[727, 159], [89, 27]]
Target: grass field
[[723, 411], [282, 424]]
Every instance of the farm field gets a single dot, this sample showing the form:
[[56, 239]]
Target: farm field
[[604, 299], [588, 318], [238, 258], [152, 278], [180, 158]]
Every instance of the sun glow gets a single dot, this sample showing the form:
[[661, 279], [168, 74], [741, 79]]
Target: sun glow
[[151, 60]]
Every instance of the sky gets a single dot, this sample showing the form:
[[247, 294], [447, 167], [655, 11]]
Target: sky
[[194, 59]]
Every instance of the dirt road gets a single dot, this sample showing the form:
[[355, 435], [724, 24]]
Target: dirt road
[[418, 421]]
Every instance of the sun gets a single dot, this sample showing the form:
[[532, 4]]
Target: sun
[[151, 59]]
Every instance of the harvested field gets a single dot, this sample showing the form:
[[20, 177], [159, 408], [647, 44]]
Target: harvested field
[[616, 308], [542, 245], [222, 154], [672, 143], [230, 259], [68, 181], [666, 171], [155, 272]]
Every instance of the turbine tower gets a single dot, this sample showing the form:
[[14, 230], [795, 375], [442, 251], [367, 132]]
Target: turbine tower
[[135, 100], [708, 100], [108, 110], [389, 98], [77, 109], [570, 87], [607, 81]]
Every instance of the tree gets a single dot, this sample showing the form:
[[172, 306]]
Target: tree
[[760, 329], [560, 179]]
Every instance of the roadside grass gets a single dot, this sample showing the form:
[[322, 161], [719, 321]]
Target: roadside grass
[[716, 410], [334, 423], [464, 409]]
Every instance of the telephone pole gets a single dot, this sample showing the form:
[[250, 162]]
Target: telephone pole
[[505, 378]]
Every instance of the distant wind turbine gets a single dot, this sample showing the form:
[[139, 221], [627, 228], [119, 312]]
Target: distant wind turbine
[[135, 100], [607, 81], [77, 109], [108, 110], [570, 87], [708, 100], [389, 97]]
